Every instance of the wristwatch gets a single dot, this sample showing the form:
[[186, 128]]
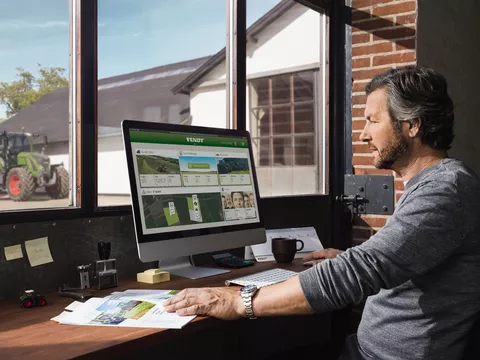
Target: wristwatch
[[247, 293]]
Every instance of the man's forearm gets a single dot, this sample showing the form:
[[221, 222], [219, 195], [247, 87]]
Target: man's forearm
[[285, 298]]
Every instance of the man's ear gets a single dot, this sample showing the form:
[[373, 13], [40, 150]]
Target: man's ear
[[414, 129]]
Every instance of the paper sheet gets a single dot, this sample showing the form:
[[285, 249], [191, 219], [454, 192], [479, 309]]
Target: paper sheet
[[263, 252], [59, 317], [38, 251], [73, 305], [13, 252]]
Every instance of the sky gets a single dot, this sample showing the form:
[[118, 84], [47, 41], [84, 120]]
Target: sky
[[132, 34]]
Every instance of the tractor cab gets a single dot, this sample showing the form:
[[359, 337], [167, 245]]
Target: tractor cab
[[23, 168]]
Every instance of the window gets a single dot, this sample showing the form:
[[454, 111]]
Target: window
[[35, 170], [286, 99]]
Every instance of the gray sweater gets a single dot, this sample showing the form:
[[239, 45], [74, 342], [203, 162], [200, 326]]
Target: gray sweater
[[420, 272]]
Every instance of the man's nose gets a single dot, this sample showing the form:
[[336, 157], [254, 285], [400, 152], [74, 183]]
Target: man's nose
[[364, 135]]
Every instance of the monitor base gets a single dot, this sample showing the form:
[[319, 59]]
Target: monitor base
[[182, 267]]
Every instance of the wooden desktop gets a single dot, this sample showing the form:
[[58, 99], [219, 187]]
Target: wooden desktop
[[30, 334]]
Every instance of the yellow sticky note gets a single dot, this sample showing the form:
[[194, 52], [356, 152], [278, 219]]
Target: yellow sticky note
[[38, 251], [13, 252]]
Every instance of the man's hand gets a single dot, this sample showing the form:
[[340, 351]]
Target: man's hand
[[320, 255], [222, 303]]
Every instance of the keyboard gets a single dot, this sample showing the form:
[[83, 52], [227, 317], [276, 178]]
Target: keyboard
[[263, 278]]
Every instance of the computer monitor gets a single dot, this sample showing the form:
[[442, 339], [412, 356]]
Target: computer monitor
[[194, 190]]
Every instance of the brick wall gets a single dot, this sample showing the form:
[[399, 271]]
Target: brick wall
[[383, 37]]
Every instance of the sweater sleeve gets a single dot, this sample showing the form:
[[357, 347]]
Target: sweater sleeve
[[425, 229]]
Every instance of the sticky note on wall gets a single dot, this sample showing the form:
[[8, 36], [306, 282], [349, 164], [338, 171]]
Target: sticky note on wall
[[38, 251], [13, 252]]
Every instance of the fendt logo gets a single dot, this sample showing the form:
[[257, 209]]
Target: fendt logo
[[197, 140]]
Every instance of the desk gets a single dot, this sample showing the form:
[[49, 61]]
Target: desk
[[29, 334]]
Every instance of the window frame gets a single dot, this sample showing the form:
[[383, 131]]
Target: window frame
[[84, 107]]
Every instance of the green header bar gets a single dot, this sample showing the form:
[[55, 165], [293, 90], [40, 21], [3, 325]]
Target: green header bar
[[152, 137]]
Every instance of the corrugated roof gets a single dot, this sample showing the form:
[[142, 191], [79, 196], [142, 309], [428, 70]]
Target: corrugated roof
[[143, 95]]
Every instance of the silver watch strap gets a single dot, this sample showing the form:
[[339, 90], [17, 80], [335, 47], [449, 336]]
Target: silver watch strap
[[248, 303]]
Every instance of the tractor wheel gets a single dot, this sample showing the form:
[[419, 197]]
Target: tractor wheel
[[61, 188], [20, 184]]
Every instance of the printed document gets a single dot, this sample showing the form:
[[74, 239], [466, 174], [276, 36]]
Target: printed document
[[131, 308]]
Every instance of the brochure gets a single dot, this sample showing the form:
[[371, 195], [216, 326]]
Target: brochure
[[131, 308]]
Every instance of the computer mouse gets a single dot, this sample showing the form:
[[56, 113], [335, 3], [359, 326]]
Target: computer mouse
[[309, 263]]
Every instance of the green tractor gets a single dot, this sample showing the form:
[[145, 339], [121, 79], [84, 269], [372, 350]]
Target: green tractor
[[22, 170]]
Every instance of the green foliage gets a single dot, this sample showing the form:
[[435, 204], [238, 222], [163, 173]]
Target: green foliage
[[27, 88]]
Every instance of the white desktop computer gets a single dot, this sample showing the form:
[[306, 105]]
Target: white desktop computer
[[194, 190]]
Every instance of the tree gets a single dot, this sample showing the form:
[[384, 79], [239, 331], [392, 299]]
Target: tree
[[27, 88]]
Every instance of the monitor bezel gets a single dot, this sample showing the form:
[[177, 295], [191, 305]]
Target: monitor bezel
[[142, 238]]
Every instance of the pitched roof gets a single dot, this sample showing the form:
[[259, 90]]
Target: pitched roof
[[142, 95], [185, 86]]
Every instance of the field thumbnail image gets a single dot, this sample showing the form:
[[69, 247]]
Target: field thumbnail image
[[155, 165], [198, 165], [114, 313], [183, 209], [232, 166]]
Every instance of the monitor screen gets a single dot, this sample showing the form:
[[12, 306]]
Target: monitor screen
[[190, 182]]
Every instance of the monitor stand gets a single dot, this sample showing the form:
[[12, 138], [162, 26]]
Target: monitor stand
[[182, 266]]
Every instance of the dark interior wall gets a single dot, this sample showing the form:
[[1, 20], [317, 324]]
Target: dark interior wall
[[74, 242], [448, 41]]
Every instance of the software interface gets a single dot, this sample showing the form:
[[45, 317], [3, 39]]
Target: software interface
[[192, 181]]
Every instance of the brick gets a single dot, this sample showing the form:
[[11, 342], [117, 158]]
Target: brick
[[362, 160], [359, 38], [359, 86], [406, 19], [405, 44], [373, 24], [368, 74], [356, 136], [392, 34], [372, 49], [360, 15], [357, 4], [394, 58], [358, 124], [369, 221], [356, 112], [371, 171], [361, 149], [361, 233], [359, 99], [399, 185], [395, 8]]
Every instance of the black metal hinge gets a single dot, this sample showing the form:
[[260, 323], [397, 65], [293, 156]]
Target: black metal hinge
[[369, 194]]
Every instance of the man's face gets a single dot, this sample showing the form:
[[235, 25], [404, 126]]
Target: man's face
[[246, 201], [237, 200], [252, 203], [228, 201], [385, 140]]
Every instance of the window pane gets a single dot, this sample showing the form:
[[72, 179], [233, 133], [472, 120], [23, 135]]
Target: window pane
[[260, 92], [304, 118], [149, 56], [281, 42], [303, 86], [261, 118], [34, 105], [281, 90], [305, 150], [282, 151], [282, 120]]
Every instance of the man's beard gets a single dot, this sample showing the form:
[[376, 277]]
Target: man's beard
[[394, 149]]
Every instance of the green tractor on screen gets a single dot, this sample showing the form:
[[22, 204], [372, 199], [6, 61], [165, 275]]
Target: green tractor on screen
[[22, 170]]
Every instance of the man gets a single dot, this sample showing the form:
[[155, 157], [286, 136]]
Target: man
[[420, 273], [237, 199], [252, 200]]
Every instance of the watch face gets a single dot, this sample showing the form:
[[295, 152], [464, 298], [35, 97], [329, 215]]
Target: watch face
[[248, 288]]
